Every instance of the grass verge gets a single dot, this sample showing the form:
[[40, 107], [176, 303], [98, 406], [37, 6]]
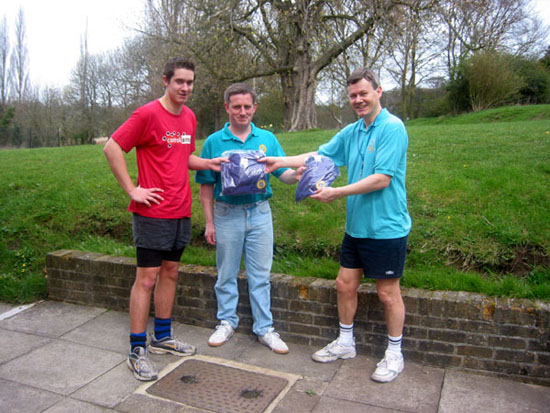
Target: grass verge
[[478, 188]]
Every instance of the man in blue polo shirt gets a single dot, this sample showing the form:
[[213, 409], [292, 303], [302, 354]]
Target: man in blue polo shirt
[[374, 150], [241, 223]]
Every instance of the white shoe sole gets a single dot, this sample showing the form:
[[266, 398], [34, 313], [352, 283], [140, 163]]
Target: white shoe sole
[[219, 343], [329, 359], [273, 349], [386, 379]]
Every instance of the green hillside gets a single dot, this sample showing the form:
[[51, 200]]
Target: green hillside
[[478, 188]]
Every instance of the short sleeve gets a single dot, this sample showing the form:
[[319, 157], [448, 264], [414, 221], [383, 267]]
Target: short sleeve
[[391, 147], [335, 149]]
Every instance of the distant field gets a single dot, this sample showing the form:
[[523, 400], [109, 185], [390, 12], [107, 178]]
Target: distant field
[[478, 188]]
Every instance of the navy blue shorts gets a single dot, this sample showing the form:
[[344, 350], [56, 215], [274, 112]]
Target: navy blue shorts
[[379, 258], [158, 239]]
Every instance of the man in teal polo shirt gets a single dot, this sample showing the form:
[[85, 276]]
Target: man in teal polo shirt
[[241, 223], [374, 150]]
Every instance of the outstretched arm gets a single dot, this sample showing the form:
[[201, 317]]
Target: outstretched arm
[[196, 163], [273, 163], [115, 157], [291, 176]]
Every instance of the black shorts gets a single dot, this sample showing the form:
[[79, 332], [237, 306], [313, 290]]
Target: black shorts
[[147, 258], [379, 258], [158, 239]]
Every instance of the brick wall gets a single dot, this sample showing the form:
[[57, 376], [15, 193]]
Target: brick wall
[[495, 336]]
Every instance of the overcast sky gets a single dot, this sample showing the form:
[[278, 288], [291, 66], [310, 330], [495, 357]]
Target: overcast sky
[[55, 28]]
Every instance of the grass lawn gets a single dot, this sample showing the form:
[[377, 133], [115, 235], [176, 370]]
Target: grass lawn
[[478, 188]]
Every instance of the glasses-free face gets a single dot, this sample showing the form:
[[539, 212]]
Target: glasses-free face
[[180, 86], [364, 99]]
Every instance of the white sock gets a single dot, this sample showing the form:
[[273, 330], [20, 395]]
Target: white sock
[[346, 334], [394, 344]]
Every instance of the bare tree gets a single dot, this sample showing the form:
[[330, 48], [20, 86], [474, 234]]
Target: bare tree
[[414, 53], [83, 93], [20, 59], [4, 54], [475, 25], [295, 40], [190, 28]]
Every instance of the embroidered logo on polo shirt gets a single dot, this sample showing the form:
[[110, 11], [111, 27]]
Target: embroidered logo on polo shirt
[[176, 137], [371, 148]]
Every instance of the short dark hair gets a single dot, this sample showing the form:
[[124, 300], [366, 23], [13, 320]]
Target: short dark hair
[[177, 63], [239, 89], [364, 73]]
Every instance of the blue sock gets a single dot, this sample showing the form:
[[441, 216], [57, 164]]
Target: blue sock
[[138, 340], [163, 328]]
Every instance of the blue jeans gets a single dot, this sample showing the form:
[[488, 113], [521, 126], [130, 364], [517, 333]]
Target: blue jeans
[[244, 229]]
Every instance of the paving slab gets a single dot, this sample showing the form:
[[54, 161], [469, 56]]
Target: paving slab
[[51, 318], [14, 344], [465, 393], [109, 330], [139, 403], [4, 307], [297, 361], [198, 336], [16, 397], [416, 389], [331, 405], [311, 386], [71, 406], [297, 401], [60, 367], [109, 389], [58, 357]]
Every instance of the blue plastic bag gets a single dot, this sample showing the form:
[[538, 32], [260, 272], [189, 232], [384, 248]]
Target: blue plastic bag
[[320, 172], [243, 174]]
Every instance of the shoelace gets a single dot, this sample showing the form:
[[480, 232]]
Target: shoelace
[[391, 362], [143, 364], [223, 326], [178, 344]]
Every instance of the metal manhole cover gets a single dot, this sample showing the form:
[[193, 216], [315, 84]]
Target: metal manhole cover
[[218, 388]]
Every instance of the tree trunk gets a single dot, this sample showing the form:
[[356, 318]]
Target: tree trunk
[[299, 88]]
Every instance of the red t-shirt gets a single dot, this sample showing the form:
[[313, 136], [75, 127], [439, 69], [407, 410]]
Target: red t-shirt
[[163, 143]]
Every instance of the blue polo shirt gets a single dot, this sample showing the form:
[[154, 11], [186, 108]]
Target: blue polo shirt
[[382, 148], [223, 140]]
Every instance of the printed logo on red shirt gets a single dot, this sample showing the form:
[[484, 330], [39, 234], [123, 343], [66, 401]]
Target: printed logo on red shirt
[[176, 137]]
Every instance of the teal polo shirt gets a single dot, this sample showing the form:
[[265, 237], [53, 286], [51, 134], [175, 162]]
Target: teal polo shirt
[[382, 148], [223, 140]]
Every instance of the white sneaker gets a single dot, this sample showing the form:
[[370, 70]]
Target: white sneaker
[[273, 341], [389, 367], [223, 333], [334, 351]]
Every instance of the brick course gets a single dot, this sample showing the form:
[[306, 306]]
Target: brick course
[[494, 336]]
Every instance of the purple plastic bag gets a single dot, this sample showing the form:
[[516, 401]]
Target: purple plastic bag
[[243, 174], [320, 172]]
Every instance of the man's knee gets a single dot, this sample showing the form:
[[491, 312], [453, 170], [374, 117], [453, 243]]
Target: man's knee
[[346, 286], [169, 270], [146, 278], [389, 293]]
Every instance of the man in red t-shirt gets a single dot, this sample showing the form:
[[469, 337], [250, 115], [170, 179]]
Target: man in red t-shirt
[[163, 133]]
